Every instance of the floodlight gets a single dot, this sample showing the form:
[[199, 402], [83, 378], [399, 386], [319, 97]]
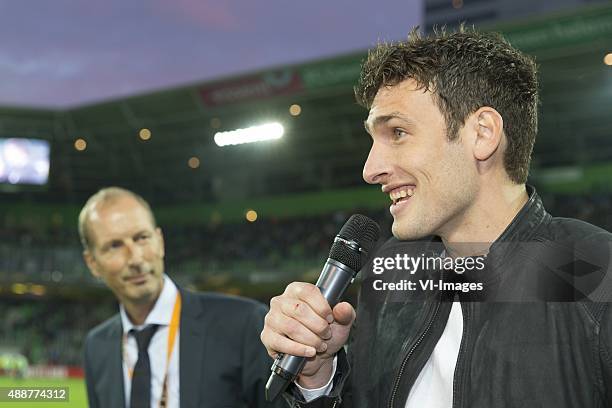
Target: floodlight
[[269, 131]]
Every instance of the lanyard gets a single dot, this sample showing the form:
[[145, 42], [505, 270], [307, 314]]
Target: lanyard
[[172, 332]]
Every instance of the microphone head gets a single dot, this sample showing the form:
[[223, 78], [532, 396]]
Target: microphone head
[[357, 236]]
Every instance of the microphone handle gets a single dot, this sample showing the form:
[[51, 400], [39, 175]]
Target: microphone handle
[[335, 278]]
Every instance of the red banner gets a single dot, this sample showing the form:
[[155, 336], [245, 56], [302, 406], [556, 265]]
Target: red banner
[[262, 86]]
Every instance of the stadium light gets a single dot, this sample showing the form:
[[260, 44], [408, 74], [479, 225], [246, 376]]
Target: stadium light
[[269, 131], [80, 144], [608, 59], [193, 162], [251, 215], [295, 109], [144, 134]]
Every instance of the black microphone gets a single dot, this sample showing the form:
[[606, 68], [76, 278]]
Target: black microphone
[[349, 250]]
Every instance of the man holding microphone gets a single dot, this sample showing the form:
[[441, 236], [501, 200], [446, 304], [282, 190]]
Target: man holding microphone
[[453, 120]]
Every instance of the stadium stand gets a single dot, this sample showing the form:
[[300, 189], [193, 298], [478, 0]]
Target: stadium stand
[[270, 249]]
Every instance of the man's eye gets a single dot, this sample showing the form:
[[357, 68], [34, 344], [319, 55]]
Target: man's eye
[[116, 244], [398, 133], [142, 237]]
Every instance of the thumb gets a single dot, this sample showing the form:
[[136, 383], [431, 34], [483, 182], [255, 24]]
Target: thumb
[[344, 314]]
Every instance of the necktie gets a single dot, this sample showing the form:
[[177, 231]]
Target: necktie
[[140, 396]]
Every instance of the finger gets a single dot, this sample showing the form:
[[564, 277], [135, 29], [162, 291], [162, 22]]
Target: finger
[[310, 294], [276, 343], [298, 332], [302, 312], [344, 313]]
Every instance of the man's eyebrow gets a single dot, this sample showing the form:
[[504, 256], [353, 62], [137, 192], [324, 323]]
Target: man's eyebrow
[[108, 243], [379, 120]]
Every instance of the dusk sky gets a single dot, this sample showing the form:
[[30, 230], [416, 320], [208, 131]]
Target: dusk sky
[[65, 53]]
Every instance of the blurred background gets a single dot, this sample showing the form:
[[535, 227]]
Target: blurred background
[[133, 94]]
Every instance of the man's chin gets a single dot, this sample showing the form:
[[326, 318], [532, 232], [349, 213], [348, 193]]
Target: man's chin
[[404, 233], [144, 293], [143, 299]]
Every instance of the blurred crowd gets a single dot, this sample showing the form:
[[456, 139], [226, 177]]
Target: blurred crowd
[[52, 331], [191, 251], [30, 253], [49, 332]]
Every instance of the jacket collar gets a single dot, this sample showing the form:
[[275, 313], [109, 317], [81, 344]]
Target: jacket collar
[[502, 252], [522, 229], [526, 222]]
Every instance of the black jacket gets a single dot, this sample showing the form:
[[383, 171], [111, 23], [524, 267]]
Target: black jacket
[[538, 335]]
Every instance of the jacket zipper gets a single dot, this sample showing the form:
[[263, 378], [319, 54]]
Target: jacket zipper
[[410, 352], [461, 352]]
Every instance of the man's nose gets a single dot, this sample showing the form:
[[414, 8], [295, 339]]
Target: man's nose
[[135, 253], [376, 168]]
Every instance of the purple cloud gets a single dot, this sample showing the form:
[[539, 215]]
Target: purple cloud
[[69, 52]]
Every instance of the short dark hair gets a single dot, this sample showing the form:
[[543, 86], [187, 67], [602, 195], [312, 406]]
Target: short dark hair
[[464, 70]]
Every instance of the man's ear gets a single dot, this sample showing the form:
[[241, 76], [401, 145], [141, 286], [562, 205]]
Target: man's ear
[[489, 132], [91, 263], [160, 236]]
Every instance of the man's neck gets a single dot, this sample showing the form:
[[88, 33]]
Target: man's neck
[[137, 313], [485, 220]]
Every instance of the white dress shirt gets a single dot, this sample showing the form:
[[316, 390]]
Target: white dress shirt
[[433, 387], [158, 349]]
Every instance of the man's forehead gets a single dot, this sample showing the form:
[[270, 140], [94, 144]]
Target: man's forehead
[[408, 85], [119, 214], [403, 101], [117, 205]]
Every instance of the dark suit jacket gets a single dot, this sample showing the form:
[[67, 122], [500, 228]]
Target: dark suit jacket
[[222, 362]]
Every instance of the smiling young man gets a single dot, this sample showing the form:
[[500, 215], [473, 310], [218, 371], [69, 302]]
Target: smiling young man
[[453, 120], [166, 346]]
